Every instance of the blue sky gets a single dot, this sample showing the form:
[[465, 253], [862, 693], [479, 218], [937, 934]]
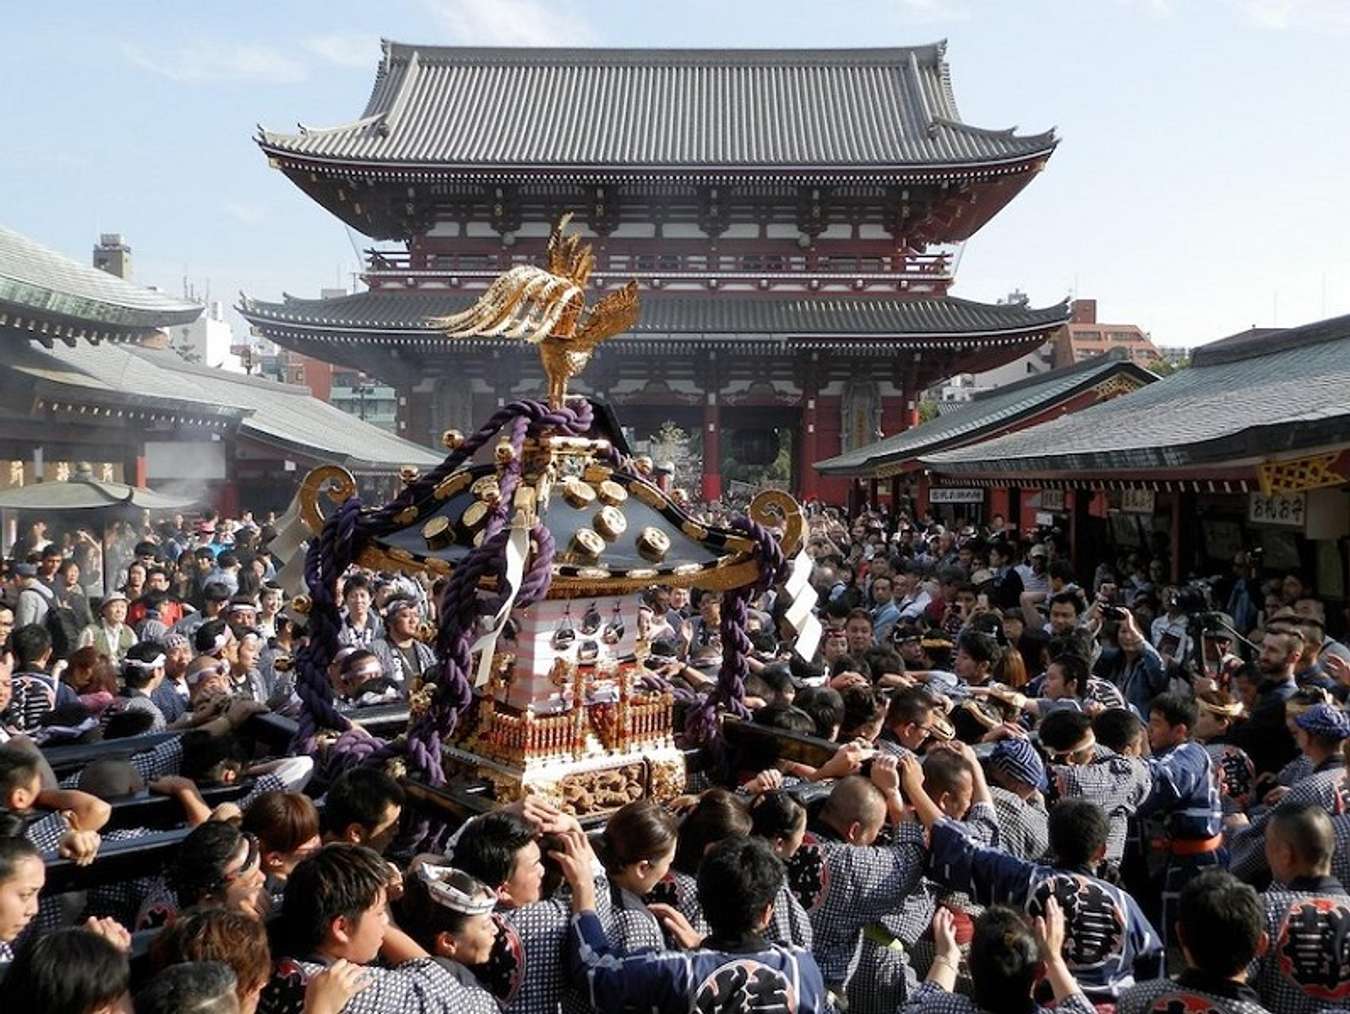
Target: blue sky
[[1199, 187]]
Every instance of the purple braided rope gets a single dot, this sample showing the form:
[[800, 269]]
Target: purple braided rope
[[348, 531], [328, 557], [729, 694]]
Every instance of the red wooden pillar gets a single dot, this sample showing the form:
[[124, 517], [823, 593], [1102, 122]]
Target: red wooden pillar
[[872, 491], [712, 449], [895, 499], [810, 485], [921, 495]]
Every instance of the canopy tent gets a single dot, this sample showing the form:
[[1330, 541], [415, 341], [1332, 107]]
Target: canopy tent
[[84, 494], [90, 499]]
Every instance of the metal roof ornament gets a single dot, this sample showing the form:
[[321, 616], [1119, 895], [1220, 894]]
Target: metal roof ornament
[[547, 307]]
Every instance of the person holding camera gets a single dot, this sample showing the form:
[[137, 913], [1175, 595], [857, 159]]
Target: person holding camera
[[1132, 664]]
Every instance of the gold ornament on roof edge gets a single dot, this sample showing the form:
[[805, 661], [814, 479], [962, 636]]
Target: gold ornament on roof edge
[[547, 307]]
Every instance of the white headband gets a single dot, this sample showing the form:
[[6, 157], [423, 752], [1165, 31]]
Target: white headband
[[152, 664], [451, 897]]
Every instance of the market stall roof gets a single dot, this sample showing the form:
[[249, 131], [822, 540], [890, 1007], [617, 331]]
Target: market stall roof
[[284, 416], [1258, 393], [85, 494], [992, 411], [46, 296]]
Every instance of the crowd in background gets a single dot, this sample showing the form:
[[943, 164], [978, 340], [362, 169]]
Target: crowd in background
[[1013, 784]]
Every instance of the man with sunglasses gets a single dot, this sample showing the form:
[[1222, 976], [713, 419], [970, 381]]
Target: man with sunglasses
[[217, 864]]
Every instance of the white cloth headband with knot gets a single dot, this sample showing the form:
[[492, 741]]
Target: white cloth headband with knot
[[446, 894], [152, 664]]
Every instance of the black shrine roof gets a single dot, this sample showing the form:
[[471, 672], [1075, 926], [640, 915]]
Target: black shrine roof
[[700, 109], [392, 317]]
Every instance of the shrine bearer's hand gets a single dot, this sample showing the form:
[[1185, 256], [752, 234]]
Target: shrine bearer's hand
[[672, 920], [769, 780], [576, 860], [911, 775], [112, 931], [330, 991]]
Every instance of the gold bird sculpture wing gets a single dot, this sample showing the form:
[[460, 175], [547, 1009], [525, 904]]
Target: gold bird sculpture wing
[[614, 314], [525, 302]]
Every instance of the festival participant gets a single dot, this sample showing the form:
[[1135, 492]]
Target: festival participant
[[1111, 774], [501, 848], [142, 674], [781, 821], [246, 679], [1237, 774], [912, 720], [360, 626], [1320, 732], [35, 691], [1220, 928], [336, 910], [81, 970], [1106, 959], [954, 782], [716, 815], [403, 656], [213, 599], [362, 807], [286, 825], [733, 966], [1183, 805], [22, 876], [171, 696], [56, 820], [1007, 960], [1018, 782], [203, 987], [1307, 912], [637, 848], [216, 864], [844, 879], [449, 913]]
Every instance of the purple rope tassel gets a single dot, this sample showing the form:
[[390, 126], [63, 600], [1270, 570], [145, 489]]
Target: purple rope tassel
[[729, 694]]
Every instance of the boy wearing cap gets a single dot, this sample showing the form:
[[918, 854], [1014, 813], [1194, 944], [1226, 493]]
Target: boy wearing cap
[[1320, 731], [1305, 969], [1018, 779]]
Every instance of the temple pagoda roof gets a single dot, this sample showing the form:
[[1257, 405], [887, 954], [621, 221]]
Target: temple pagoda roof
[[661, 109], [832, 322], [986, 413], [1254, 394], [45, 295]]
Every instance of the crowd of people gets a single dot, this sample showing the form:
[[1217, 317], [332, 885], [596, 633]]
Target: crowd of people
[[998, 784]]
